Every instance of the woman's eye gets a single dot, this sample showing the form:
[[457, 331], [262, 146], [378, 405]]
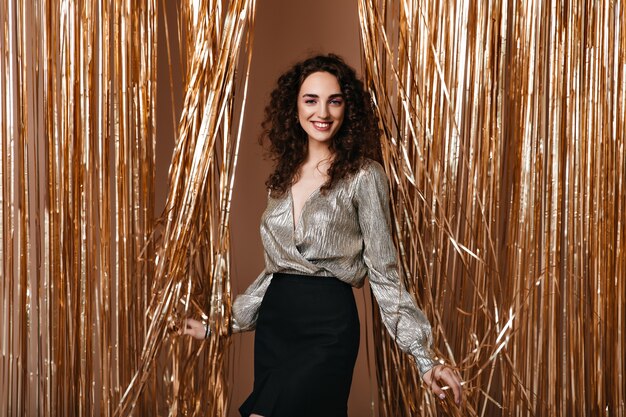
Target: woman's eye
[[336, 102], [310, 101]]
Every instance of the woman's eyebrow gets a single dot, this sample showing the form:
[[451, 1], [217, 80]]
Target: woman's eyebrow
[[316, 96]]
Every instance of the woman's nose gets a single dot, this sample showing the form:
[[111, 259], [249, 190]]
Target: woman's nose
[[323, 111]]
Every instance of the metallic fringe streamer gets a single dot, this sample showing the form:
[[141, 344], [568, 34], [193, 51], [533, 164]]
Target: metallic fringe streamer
[[77, 85], [77, 247], [504, 138], [193, 270]]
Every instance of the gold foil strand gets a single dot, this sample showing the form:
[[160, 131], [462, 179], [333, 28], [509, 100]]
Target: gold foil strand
[[103, 299], [5, 124], [504, 130]]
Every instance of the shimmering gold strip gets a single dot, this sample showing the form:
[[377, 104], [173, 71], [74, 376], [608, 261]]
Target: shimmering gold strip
[[6, 122], [504, 137], [6, 255], [102, 258]]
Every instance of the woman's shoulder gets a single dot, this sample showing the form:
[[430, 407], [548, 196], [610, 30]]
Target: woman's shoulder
[[373, 170], [370, 178], [370, 165]]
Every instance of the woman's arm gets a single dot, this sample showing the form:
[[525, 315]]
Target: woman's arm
[[406, 323], [245, 310], [246, 305]]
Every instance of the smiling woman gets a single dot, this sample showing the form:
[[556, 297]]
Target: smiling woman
[[326, 84], [326, 227], [320, 106]]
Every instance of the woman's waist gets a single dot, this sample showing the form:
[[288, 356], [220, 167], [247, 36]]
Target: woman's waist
[[350, 276], [308, 279]]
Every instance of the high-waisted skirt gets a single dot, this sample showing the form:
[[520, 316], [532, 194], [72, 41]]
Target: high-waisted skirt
[[305, 348]]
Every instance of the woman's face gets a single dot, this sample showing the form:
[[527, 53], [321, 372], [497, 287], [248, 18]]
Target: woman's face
[[321, 106]]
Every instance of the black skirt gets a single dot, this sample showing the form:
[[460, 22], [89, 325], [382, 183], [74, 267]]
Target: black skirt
[[305, 348]]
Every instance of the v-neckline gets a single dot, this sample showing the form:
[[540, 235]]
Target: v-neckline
[[296, 224]]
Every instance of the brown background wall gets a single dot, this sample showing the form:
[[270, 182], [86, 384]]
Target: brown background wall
[[286, 31]]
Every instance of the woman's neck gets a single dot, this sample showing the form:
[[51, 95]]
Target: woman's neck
[[318, 153]]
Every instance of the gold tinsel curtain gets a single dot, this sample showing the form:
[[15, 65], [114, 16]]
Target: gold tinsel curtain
[[90, 281], [504, 138], [77, 84], [193, 269]]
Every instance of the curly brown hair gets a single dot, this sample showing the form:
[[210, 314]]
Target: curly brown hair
[[358, 137]]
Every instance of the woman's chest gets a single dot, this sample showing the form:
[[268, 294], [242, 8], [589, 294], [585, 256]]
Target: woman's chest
[[320, 214]]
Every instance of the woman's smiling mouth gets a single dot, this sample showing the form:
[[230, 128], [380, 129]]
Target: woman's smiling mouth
[[322, 125]]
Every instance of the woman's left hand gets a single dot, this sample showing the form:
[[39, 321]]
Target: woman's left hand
[[440, 376], [195, 329]]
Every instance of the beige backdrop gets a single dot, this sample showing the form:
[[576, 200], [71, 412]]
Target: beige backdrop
[[285, 32]]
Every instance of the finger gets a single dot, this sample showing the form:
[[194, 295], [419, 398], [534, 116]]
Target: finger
[[199, 327], [457, 386], [193, 328], [190, 329], [191, 323], [458, 390], [454, 383], [436, 389]]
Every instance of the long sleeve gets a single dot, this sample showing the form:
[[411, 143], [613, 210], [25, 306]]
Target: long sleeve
[[406, 323], [246, 305]]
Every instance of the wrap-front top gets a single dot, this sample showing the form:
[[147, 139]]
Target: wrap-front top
[[345, 233]]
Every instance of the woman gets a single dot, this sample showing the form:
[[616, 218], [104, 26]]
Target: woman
[[327, 225]]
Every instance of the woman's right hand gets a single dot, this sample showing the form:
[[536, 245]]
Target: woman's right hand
[[195, 329], [442, 375]]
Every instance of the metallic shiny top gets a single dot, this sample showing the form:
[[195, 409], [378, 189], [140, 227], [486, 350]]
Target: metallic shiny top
[[345, 233]]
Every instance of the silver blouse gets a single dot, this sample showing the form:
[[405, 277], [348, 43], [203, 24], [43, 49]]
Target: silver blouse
[[345, 233]]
